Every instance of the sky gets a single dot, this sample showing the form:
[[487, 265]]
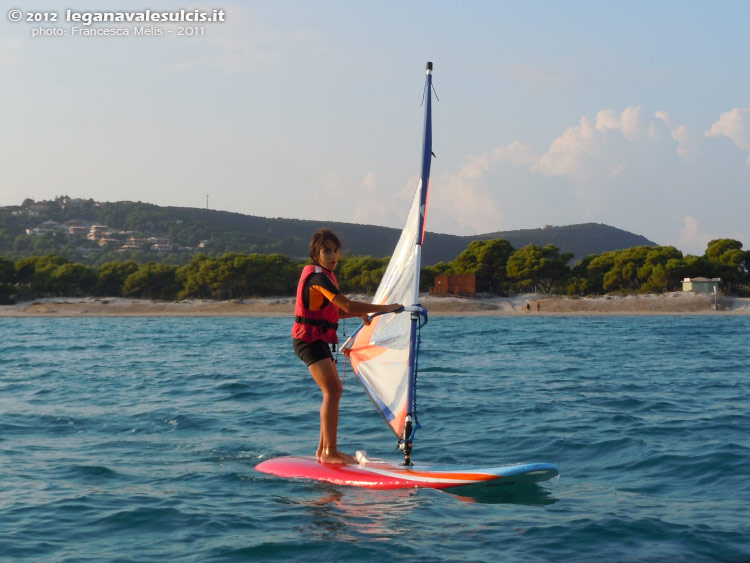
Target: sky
[[634, 114]]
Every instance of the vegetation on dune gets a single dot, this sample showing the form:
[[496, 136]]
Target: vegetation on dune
[[499, 269], [77, 248]]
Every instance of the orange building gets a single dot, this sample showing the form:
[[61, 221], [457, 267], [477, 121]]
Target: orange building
[[455, 284]]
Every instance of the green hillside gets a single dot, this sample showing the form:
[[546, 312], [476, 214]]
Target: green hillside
[[181, 232]]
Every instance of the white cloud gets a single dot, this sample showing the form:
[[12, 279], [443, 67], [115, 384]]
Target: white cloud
[[664, 116], [734, 124], [685, 142], [567, 153], [621, 168], [515, 154], [339, 199], [629, 122], [692, 239], [370, 182], [646, 175], [369, 205], [589, 145], [477, 192]]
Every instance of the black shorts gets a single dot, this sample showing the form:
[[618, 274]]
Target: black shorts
[[311, 352]]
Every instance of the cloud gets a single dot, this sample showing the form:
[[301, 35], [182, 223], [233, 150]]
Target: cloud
[[337, 198], [692, 237], [369, 205], [734, 124], [500, 188], [568, 152], [515, 154], [646, 174], [685, 142], [474, 199], [588, 146], [643, 173], [370, 182], [629, 122]]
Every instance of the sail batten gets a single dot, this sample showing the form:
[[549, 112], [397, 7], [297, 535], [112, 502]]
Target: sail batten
[[384, 353]]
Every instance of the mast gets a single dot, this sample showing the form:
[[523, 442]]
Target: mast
[[405, 442]]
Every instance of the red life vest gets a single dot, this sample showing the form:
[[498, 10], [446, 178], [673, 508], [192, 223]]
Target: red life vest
[[315, 325]]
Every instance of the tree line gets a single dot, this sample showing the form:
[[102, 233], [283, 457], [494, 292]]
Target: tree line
[[499, 269]]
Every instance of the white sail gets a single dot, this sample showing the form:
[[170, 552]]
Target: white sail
[[384, 353]]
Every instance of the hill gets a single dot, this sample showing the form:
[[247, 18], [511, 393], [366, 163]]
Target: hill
[[179, 232], [582, 240]]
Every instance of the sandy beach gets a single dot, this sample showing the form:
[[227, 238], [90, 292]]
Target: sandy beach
[[677, 303]]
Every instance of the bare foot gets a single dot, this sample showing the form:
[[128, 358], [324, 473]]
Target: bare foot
[[336, 457]]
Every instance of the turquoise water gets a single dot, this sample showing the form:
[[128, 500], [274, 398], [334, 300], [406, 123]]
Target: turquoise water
[[136, 439]]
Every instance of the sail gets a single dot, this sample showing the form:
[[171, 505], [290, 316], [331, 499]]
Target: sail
[[383, 354]]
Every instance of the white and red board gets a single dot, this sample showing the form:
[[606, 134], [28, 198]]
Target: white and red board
[[377, 474]]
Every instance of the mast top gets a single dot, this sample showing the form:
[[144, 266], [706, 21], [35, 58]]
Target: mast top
[[429, 68]]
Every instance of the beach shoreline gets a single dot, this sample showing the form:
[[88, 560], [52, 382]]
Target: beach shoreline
[[677, 303]]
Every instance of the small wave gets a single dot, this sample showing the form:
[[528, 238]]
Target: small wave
[[151, 519], [452, 370], [233, 386], [676, 472], [673, 541], [88, 472]]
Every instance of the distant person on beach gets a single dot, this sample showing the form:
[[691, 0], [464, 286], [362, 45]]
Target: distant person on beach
[[538, 306], [319, 306], [528, 308]]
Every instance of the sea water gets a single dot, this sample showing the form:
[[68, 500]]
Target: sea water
[[135, 439]]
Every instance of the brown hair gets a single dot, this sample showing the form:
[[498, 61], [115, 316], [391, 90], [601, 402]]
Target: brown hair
[[319, 239]]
